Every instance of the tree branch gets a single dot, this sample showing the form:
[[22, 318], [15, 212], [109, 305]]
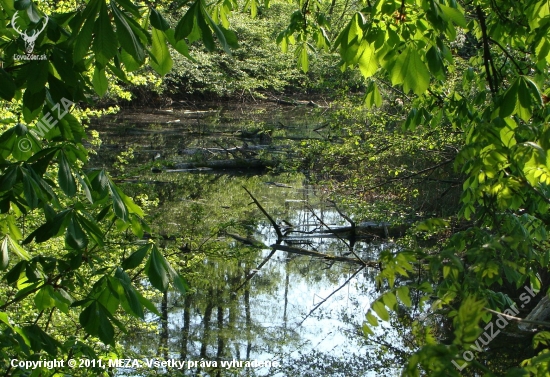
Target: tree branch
[[508, 55], [522, 320], [329, 296], [275, 225], [487, 60]]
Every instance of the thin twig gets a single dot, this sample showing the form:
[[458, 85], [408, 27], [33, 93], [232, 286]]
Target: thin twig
[[508, 55], [250, 276], [329, 296], [275, 225], [412, 175]]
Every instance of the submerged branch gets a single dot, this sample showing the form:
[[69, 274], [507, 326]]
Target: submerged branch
[[298, 250], [329, 296], [275, 225], [250, 276]]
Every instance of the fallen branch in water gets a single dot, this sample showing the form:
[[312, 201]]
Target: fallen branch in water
[[248, 241], [297, 250], [250, 276], [329, 296], [275, 225]]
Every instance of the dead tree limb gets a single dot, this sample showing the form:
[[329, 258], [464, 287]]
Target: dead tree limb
[[520, 320], [329, 296], [351, 244], [346, 217], [275, 225], [250, 276], [248, 241], [298, 250]]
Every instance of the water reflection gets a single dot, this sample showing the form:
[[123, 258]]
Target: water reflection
[[304, 312], [294, 309]]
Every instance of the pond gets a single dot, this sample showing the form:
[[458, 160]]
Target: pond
[[283, 305]]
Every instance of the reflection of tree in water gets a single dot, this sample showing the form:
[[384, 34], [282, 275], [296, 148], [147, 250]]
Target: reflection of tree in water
[[228, 315]]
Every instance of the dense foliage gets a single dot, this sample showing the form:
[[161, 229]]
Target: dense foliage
[[475, 69]]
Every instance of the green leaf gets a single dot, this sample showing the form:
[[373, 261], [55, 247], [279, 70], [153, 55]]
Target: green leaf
[[119, 73], [453, 14], [4, 257], [157, 270], [84, 38], [91, 228], [33, 14], [132, 207], [30, 191], [403, 294], [467, 319], [5, 319], [75, 236], [129, 6], [39, 340], [230, 37], [177, 280], [303, 61], [105, 43], [368, 63], [434, 224], [13, 229], [381, 311], [206, 33], [44, 298], [7, 89], [180, 46], [136, 257], [126, 35], [366, 330], [100, 81], [37, 75], [372, 319], [65, 177], [130, 294], [409, 70], [109, 297], [534, 90], [129, 62], [120, 209], [159, 50], [541, 338], [221, 33], [373, 97], [148, 304], [95, 321], [158, 21], [17, 249], [390, 300], [509, 101], [137, 229], [50, 229], [187, 22], [435, 63], [32, 104], [62, 300]]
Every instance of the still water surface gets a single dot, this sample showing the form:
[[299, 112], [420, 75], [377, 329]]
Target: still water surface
[[300, 311]]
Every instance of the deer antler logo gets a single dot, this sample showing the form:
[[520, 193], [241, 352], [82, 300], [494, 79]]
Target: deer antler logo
[[29, 39]]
